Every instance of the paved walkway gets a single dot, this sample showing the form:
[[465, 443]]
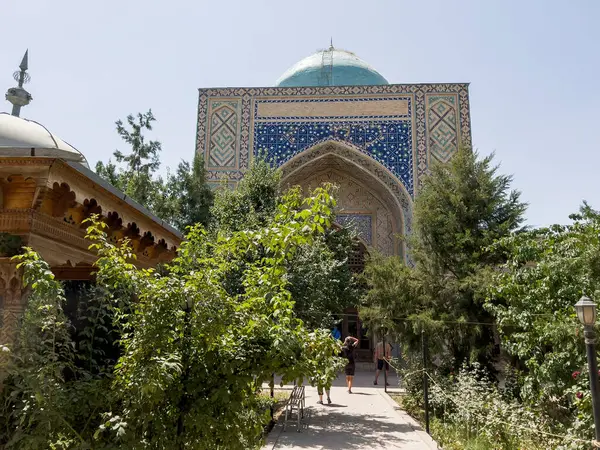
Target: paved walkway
[[365, 419]]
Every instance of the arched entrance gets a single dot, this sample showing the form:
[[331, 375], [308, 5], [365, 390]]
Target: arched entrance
[[351, 323], [369, 198]]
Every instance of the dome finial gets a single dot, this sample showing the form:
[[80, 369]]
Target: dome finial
[[331, 44], [24, 65], [18, 96]]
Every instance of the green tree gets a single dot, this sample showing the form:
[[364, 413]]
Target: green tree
[[193, 354], [462, 208], [193, 196], [58, 377], [320, 279], [189, 374], [254, 201], [182, 199], [393, 303], [140, 165], [532, 297]]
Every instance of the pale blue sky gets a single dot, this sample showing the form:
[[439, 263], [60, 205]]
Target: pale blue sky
[[533, 66]]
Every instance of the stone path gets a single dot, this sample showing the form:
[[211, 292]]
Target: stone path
[[366, 419]]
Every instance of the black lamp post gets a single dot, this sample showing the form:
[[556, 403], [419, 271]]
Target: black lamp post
[[586, 313]]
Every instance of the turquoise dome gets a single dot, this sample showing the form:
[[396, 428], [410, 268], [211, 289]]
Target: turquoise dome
[[332, 67]]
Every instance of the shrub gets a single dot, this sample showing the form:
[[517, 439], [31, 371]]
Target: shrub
[[471, 408]]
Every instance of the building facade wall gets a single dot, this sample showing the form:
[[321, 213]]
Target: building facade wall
[[386, 135]]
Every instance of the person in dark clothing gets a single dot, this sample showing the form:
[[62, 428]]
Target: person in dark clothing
[[349, 352]]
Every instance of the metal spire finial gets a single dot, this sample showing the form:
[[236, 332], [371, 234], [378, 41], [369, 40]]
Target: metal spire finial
[[18, 96], [23, 65], [331, 43]]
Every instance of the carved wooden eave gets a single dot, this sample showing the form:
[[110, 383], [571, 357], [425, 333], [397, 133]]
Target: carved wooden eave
[[45, 201]]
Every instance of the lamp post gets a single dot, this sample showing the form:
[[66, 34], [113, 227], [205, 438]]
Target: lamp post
[[586, 313]]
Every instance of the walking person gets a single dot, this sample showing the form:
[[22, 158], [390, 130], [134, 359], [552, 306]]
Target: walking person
[[327, 389], [349, 352], [381, 357]]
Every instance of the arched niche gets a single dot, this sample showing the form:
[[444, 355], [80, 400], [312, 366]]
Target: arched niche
[[367, 190]]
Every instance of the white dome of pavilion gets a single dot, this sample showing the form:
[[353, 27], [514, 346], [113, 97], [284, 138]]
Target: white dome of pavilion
[[23, 137]]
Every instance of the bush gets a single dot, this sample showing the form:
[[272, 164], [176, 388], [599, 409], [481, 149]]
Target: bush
[[472, 411], [191, 356]]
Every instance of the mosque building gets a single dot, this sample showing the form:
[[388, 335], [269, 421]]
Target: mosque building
[[332, 117]]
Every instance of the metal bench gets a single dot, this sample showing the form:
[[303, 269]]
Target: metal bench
[[296, 400]]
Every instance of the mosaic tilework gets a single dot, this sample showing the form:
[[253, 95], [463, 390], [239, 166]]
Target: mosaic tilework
[[417, 92], [355, 165], [222, 145], [223, 138], [442, 126], [362, 224], [332, 108], [387, 142]]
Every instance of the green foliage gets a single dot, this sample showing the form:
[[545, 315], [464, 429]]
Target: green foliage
[[10, 244], [474, 413], [319, 277], [463, 207], [320, 365], [392, 303], [192, 196], [532, 298], [189, 375], [461, 210], [54, 390], [182, 199], [136, 178], [253, 203], [193, 354]]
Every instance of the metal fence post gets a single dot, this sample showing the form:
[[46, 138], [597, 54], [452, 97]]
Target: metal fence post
[[272, 383], [384, 366]]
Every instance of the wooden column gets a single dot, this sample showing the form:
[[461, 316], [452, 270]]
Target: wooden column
[[12, 304]]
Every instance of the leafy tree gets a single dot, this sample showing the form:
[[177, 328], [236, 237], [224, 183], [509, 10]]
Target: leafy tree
[[189, 375], [182, 199], [321, 282], [136, 179], [195, 196], [392, 304], [463, 207], [193, 355], [57, 378], [532, 297], [254, 201]]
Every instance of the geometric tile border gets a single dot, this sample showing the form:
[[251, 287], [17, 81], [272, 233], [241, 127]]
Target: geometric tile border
[[439, 122]]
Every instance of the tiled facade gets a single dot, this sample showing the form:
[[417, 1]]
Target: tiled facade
[[383, 136], [361, 223]]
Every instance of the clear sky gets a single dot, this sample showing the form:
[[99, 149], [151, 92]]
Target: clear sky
[[533, 65]]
